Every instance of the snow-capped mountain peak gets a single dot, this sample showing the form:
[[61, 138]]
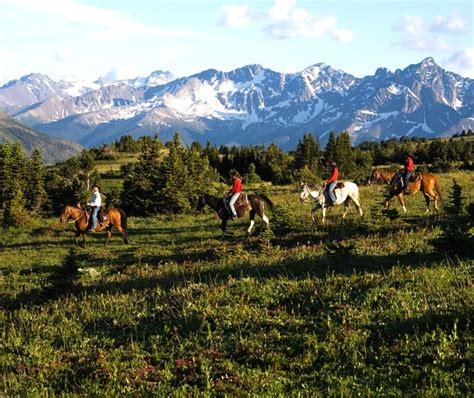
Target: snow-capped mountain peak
[[248, 105]]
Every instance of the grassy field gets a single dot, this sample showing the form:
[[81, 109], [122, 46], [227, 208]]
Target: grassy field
[[363, 307]]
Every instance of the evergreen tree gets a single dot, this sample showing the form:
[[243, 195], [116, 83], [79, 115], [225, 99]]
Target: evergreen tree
[[330, 149], [345, 157], [308, 153], [35, 193], [251, 176], [173, 179], [5, 172], [139, 194], [15, 213], [87, 165]]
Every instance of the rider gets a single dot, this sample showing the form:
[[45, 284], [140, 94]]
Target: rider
[[95, 203], [409, 167], [234, 192], [331, 183]]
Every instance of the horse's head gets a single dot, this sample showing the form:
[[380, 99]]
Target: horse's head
[[304, 192], [374, 176], [65, 213], [201, 203]]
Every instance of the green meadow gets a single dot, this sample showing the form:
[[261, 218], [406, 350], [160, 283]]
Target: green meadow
[[360, 307]]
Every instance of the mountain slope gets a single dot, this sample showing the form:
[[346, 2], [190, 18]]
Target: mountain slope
[[52, 149]]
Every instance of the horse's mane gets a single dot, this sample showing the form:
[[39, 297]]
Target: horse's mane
[[313, 187]]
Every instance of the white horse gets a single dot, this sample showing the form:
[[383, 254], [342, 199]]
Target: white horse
[[348, 192]]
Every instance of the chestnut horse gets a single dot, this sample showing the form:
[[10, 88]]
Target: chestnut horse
[[425, 182], [255, 204], [113, 218]]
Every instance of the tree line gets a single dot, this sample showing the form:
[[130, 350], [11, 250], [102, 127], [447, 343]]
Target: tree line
[[168, 176]]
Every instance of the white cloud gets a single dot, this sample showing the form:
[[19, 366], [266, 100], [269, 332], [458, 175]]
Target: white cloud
[[109, 22], [63, 54], [281, 9], [301, 24], [284, 21], [462, 62], [452, 24], [417, 36], [343, 35], [235, 15], [292, 22], [424, 44], [412, 25]]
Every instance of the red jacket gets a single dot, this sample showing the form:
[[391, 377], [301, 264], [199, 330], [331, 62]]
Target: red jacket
[[334, 175], [237, 186], [409, 164]]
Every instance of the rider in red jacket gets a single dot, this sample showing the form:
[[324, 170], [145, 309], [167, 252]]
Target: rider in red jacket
[[331, 182], [407, 172], [235, 193]]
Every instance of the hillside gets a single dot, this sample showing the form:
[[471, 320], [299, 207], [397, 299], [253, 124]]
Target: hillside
[[52, 149]]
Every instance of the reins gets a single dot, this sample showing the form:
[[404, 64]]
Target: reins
[[80, 215]]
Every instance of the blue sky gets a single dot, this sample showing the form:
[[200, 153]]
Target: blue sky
[[88, 39]]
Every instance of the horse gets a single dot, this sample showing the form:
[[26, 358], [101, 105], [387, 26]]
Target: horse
[[345, 192], [255, 204], [113, 218], [425, 182]]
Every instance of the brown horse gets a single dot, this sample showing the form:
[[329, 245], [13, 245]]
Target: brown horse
[[113, 218], [425, 182], [255, 204]]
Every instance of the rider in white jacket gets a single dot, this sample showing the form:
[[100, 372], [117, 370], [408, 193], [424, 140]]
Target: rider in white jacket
[[95, 203]]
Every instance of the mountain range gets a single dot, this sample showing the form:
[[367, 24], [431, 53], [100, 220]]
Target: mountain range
[[249, 105]]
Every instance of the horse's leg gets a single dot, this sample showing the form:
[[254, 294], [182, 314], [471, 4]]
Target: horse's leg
[[427, 199], [356, 200], [346, 208], [358, 206], [313, 210], [265, 218], [76, 235], [223, 227], [402, 202], [121, 230], [324, 214], [252, 221], [109, 234], [83, 240]]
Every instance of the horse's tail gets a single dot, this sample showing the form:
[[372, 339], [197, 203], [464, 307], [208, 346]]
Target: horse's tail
[[267, 200], [123, 219]]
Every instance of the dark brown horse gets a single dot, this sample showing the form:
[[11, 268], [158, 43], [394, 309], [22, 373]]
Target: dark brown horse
[[113, 218], [425, 182], [255, 204]]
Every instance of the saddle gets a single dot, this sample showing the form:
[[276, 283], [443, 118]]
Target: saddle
[[398, 178], [416, 176], [339, 185], [101, 215], [241, 201]]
